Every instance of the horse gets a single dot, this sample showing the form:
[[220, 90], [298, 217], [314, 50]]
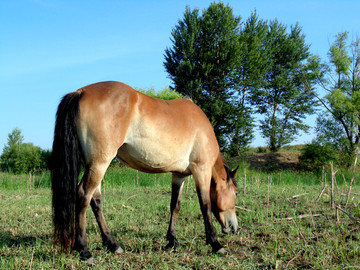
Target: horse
[[110, 119]]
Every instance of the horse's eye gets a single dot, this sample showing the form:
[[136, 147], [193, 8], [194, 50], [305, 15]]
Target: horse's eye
[[236, 194]]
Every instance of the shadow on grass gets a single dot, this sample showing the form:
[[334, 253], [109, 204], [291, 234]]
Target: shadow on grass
[[7, 240]]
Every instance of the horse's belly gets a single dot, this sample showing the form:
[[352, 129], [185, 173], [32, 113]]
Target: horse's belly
[[153, 158]]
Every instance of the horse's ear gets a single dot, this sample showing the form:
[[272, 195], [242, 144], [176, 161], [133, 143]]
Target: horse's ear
[[233, 173]]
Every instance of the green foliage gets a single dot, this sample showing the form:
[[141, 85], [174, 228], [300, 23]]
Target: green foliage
[[241, 132], [330, 132], [339, 56], [19, 157], [261, 149], [201, 63], [314, 156], [165, 93], [340, 77], [253, 59], [282, 98], [225, 66]]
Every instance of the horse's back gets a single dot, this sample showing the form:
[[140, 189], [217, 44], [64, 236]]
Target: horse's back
[[148, 134]]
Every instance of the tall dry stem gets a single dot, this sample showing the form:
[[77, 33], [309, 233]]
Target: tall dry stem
[[244, 181], [332, 184], [352, 177]]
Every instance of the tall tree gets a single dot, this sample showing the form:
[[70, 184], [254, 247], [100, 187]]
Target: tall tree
[[340, 78], [201, 64], [283, 99], [12, 149], [15, 139], [248, 76], [179, 60], [253, 59]]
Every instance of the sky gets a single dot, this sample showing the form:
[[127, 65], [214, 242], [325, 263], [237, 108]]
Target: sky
[[51, 47]]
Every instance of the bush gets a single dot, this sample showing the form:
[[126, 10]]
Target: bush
[[19, 157], [314, 156], [166, 93], [262, 150], [30, 158]]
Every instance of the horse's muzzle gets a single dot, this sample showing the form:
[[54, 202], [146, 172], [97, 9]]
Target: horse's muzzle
[[231, 225]]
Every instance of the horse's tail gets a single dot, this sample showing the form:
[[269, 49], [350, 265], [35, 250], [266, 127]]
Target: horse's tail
[[66, 161]]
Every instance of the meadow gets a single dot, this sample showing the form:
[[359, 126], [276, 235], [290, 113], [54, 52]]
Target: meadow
[[284, 224]]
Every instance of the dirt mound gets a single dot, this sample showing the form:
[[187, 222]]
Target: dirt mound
[[274, 161]]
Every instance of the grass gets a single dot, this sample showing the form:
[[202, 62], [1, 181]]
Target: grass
[[136, 207]]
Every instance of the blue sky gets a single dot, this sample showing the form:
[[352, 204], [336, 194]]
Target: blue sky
[[51, 47]]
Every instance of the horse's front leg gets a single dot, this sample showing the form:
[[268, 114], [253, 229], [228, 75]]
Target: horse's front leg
[[202, 181], [177, 186]]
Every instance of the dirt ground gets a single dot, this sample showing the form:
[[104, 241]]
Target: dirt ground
[[274, 161]]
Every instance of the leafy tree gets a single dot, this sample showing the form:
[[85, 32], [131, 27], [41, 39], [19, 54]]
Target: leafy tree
[[179, 60], [247, 77], [15, 139], [201, 64], [225, 67], [253, 59], [340, 78], [12, 149], [19, 157], [283, 99], [329, 132]]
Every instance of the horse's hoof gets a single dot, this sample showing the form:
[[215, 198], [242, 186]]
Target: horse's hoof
[[91, 261], [222, 251], [118, 251], [173, 246]]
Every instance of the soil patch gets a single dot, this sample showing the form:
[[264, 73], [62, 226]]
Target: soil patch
[[274, 161]]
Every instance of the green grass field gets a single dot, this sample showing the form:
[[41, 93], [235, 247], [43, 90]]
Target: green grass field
[[282, 226]]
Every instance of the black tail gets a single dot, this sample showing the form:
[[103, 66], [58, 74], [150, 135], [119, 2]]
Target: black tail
[[65, 170]]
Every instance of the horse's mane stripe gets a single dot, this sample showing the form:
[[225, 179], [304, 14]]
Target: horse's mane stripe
[[227, 169]]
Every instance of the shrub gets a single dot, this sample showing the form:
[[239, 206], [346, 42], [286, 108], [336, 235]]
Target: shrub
[[314, 156], [18, 157]]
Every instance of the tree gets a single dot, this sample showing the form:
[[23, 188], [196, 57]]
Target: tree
[[340, 78], [253, 59], [19, 157], [179, 60], [201, 64], [15, 139], [283, 99], [247, 77], [12, 149]]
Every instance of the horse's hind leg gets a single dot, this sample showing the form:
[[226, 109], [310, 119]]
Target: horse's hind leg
[[177, 186], [108, 240], [94, 173]]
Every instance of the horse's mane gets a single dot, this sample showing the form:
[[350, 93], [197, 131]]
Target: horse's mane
[[227, 169]]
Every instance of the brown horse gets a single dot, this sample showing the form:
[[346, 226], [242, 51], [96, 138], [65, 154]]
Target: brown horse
[[105, 120]]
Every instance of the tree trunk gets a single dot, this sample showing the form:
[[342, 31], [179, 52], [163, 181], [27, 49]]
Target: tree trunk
[[273, 142]]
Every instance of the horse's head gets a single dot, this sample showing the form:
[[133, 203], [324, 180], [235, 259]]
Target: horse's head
[[223, 194]]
